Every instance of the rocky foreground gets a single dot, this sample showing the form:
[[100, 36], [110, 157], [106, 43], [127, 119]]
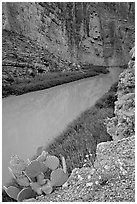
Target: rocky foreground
[[112, 179]]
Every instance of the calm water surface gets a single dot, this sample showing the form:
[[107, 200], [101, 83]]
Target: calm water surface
[[34, 119]]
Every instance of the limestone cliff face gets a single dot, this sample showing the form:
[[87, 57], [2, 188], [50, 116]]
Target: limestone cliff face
[[123, 124], [82, 32]]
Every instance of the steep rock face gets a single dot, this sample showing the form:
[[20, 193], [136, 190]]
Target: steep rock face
[[84, 32], [123, 124]]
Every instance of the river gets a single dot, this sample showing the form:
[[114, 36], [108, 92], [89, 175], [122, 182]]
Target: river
[[35, 118]]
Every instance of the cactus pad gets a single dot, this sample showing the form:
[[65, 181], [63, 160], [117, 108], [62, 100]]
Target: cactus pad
[[25, 193], [43, 156], [52, 162], [33, 169], [18, 163], [47, 188], [40, 179], [36, 187], [58, 177], [39, 150], [34, 157], [23, 181], [43, 167], [12, 191], [14, 160]]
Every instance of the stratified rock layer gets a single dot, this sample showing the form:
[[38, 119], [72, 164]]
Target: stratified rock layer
[[86, 32]]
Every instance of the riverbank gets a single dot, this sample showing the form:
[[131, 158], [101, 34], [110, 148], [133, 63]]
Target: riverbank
[[85, 132], [48, 80], [82, 134]]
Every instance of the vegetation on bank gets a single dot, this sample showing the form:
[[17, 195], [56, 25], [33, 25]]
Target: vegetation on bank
[[82, 136], [49, 80]]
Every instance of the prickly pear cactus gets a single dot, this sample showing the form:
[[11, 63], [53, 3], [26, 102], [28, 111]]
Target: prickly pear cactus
[[32, 158], [25, 193], [18, 163], [52, 162], [42, 157], [14, 171], [33, 169], [34, 175], [23, 181], [36, 188], [47, 188], [40, 179], [58, 177], [43, 167], [39, 150], [12, 191]]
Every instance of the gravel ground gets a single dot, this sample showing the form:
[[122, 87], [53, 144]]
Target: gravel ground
[[112, 179]]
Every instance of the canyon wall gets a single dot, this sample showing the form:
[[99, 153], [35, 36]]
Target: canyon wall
[[82, 32]]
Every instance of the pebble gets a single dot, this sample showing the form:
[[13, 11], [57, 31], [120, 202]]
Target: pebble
[[106, 167], [80, 178], [89, 184], [92, 171], [65, 185], [96, 182], [124, 172]]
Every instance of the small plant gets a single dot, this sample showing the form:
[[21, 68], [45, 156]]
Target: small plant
[[32, 177]]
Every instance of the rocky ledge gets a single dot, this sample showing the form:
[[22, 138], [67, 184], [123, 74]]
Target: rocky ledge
[[112, 179]]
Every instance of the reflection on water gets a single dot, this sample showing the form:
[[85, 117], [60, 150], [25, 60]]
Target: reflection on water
[[34, 119]]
